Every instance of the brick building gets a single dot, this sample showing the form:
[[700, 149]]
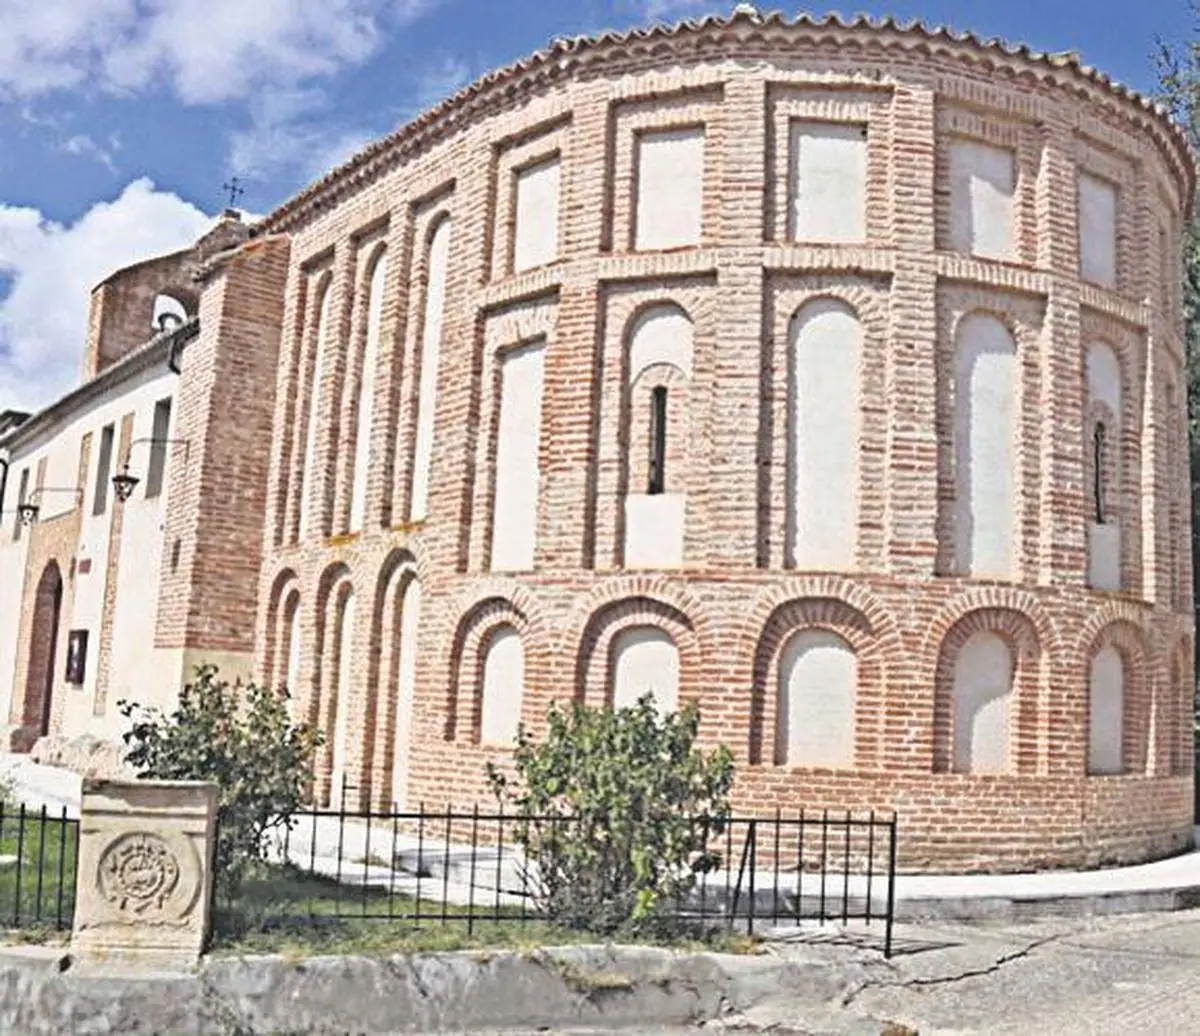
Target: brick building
[[828, 374]]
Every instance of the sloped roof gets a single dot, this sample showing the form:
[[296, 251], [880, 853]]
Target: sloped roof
[[565, 57]]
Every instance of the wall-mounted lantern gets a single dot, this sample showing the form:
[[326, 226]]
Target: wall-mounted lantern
[[125, 482]]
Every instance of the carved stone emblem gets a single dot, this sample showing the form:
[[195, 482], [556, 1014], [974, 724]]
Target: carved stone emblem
[[138, 872]]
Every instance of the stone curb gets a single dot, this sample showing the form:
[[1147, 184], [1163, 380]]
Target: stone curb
[[1036, 907], [608, 987]]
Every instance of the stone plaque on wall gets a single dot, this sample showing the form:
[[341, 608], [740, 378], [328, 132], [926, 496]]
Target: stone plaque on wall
[[144, 888]]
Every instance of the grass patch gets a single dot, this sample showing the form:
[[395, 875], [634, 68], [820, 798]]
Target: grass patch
[[286, 911], [38, 887]]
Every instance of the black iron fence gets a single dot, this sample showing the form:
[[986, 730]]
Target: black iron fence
[[38, 857], [439, 867]]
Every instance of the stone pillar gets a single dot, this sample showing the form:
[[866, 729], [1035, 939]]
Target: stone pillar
[[144, 880]]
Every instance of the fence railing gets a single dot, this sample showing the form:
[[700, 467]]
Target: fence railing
[[445, 866], [38, 860]]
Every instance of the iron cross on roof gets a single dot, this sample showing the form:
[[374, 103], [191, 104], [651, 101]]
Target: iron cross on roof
[[235, 189]]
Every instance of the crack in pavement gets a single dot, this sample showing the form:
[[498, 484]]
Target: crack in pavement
[[942, 980]]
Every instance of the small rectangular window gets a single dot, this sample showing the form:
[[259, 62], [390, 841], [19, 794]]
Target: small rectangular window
[[22, 495], [1097, 230], [158, 448], [828, 182], [670, 188], [535, 239], [103, 465], [658, 441]]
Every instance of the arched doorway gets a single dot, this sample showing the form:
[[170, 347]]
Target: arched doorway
[[43, 651]]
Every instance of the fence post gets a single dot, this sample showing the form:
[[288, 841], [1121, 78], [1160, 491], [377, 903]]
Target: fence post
[[891, 895]]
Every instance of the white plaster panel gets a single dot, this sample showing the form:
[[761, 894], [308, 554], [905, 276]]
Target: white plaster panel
[[12, 583], [342, 691], [292, 674], [983, 689], [1097, 230], [645, 659], [410, 620], [536, 239], [670, 182], [818, 678], [503, 688], [985, 429], [1104, 376], [654, 530], [431, 348], [518, 475], [309, 482], [828, 181], [982, 187], [1104, 556], [824, 419], [661, 334], [1106, 717], [366, 395]]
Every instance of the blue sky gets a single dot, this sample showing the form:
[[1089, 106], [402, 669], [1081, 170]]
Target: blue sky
[[121, 119]]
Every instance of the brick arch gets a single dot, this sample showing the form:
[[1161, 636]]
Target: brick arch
[[993, 598], [593, 659], [675, 594], [285, 583], [1019, 630], [1141, 694], [1021, 334], [44, 643], [464, 701], [869, 310], [644, 306], [814, 613]]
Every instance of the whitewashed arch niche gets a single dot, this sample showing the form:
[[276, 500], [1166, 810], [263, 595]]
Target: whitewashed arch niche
[[1102, 462], [398, 609], [824, 425], [982, 705], [645, 659], [502, 693], [661, 348], [818, 687], [986, 410], [375, 278], [339, 694], [291, 650], [311, 492], [1106, 712], [437, 258]]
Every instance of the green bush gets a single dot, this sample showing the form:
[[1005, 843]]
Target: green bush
[[616, 808], [241, 738]]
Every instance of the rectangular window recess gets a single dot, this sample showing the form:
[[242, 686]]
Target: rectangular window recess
[[658, 441]]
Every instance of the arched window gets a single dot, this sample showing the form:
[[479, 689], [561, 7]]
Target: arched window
[[645, 659], [406, 686], [824, 418], [366, 393], [983, 692], [311, 489], [986, 397], [503, 689], [341, 694], [818, 678], [1106, 712], [437, 258]]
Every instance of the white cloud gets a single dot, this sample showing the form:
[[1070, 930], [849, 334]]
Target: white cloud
[[85, 147], [52, 269], [208, 51], [658, 10]]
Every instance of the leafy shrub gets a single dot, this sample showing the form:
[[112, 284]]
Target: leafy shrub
[[241, 738], [616, 807]]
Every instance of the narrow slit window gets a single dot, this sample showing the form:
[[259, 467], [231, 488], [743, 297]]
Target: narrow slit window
[[103, 464], [161, 429], [1098, 470], [658, 441]]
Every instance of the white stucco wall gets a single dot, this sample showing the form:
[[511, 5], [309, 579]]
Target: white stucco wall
[[1097, 230], [1104, 541], [985, 436], [340, 735], [645, 659], [983, 686], [982, 185], [828, 182], [12, 585], [535, 241], [818, 679], [309, 483], [670, 181], [366, 395], [503, 688], [518, 473], [661, 334], [431, 349], [654, 530], [410, 622], [824, 421], [1106, 716], [292, 673]]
